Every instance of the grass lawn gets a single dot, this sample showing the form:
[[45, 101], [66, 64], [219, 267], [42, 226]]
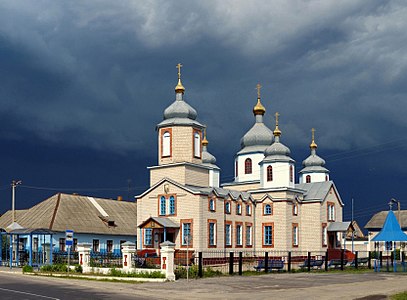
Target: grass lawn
[[400, 296]]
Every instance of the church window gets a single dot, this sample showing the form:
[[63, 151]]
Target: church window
[[166, 144], [268, 234], [267, 210], [148, 236], [295, 209], [291, 174], [308, 179], [228, 235], [248, 166], [186, 233], [197, 144], [227, 207], [248, 210], [212, 233], [172, 205], [162, 206], [239, 235], [238, 208], [248, 234], [324, 235], [236, 169], [269, 173], [211, 204], [331, 211], [326, 177], [295, 235]]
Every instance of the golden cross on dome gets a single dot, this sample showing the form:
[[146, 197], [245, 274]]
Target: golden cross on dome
[[277, 115], [313, 134], [258, 87], [179, 66]]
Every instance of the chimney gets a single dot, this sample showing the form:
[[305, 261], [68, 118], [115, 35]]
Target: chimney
[[119, 198]]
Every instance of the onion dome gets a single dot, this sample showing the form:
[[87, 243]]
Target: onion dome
[[277, 151], [207, 158], [313, 163], [179, 112], [259, 136]]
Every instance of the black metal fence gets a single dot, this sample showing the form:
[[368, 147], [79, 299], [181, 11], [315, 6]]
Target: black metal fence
[[234, 262]]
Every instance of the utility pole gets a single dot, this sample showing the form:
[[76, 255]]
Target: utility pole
[[14, 184], [353, 233]]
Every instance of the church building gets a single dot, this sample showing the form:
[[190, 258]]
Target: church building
[[262, 209]]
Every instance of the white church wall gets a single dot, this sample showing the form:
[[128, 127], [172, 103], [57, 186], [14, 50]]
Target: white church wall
[[255, 175]]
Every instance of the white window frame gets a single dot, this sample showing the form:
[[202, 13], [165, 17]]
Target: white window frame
[[265, 209], [197, 144]]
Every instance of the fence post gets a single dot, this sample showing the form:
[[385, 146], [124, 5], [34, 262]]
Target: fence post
[[326, 260], [240, 263], [128, 251], [356, 259], [200, 273], [266, 262], [167, 260], [342, 258], [369, 263], [289, 262], [309, 262], [231, 263]]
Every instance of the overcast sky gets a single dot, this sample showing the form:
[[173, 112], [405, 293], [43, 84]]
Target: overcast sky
[[83, 84]]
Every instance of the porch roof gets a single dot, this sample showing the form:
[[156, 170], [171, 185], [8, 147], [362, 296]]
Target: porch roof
[[339, 226], [163, 222]]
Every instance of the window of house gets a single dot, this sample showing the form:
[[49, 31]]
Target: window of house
[[268, 210], [248, 166], [291, 174], [212, 233], [308, 179], [197, 144], [166, 144], [238, 208], [295, 209], [227, 207], [62, 244], [162, 206], [186, 234], [248, 235], [239, 235], [269, 173], [228, 235], [324, 235], [267, 235], [212, 204], [109, 246], [148, 236], [172, 205], [95, 246], [295, 235], [248, 210]]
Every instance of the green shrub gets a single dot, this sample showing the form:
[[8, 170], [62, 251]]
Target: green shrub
[[54, 268], [181, 272], [120, 273], [28, 269], [78, 269]]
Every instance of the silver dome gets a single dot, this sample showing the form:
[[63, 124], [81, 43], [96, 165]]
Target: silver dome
[[207, 158], [180, 109], [277, 152], [258, 135]]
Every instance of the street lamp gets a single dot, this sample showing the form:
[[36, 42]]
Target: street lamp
[[14, 184]]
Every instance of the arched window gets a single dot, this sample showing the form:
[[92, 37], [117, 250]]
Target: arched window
[[236, 169], [227, 207], [162, 206], [269, 173], [166, 144], [172, 205], [326, 177], [291, 174], [267, 209], [308, 179], [197, 144], [248, 166]]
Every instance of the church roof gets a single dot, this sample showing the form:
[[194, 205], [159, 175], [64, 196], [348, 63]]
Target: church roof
[[317, 191], [81, 214], [391, 231], [257, 138]]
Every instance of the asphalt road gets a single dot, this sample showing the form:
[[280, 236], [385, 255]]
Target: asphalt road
[[272, 286]]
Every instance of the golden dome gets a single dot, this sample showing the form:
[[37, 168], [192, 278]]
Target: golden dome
[[179, 88], [259, 109], [277, 131], [205, 141]]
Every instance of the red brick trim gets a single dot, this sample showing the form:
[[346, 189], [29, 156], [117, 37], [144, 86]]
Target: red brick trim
[[213, 221], [182, 221], [272, 235]]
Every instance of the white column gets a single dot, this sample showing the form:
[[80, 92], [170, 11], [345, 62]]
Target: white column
[[128, 251], [84, 254], [167, 259]]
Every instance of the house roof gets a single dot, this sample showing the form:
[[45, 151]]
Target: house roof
[[377, 221], [82, 214]]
